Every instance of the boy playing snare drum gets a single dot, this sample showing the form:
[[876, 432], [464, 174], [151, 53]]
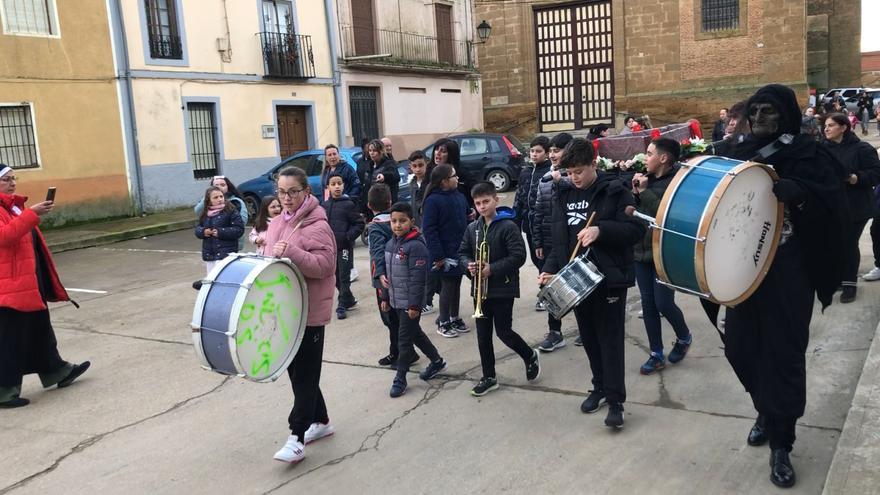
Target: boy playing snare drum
[[600, 316]]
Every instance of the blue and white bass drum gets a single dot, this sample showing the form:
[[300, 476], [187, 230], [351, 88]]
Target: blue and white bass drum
[[717, 229], [250, 316]]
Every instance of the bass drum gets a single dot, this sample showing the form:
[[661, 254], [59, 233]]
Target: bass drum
[[250, 316], [719, 226]]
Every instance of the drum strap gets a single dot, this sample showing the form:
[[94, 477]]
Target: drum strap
[[769, 150]]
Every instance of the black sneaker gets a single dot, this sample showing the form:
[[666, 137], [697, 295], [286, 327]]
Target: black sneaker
[[540, 306], [14, 402], [388, 360], [433, 369], [679, 349], [412, 361], [340, 313], [78, 369], [398, 388], [593, 402], [486, 385], [578, 342], [552, 341], [352, 305], [848, 295], [460, 326], [445, 329], [614, 419], [533, 367]]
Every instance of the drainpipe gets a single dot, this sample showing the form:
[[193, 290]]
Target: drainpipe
[[337, 76], [125, 71]]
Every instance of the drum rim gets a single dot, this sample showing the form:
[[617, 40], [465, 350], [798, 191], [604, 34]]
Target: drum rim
[[706, 222], [662, 209], [199, 309]]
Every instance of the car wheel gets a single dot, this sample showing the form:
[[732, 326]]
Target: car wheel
[[500, 179], [252, 204]]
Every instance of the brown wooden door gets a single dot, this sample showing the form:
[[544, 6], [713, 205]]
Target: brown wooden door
[[443, 21], [575, 65], [293, 136], [363, 27]]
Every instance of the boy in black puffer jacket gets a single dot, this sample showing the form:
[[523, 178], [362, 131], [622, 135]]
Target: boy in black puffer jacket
[[495, 236], [347, 225], [600, 316]]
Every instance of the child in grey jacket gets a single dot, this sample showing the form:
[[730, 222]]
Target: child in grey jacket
[[406, 270]]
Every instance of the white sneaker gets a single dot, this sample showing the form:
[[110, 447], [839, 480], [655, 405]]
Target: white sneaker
[[292, 451], [873, 275], [352, 277], [318, 431]]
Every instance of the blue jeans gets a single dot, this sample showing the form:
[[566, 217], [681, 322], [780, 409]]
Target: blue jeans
[[658, 299]]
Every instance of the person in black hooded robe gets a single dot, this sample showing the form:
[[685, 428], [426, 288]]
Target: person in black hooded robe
[[766, 336]]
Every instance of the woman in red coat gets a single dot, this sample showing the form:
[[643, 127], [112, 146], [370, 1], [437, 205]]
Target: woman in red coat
[[27, 280]]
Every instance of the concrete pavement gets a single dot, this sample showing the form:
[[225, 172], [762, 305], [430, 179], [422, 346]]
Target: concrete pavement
[[147, 419]]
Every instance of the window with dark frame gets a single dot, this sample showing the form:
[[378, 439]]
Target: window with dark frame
[[164, 34], [720, 15], [203, 136], [18, 146]]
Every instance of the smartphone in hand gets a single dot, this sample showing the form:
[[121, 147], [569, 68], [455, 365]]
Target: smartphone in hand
[[50, 194]]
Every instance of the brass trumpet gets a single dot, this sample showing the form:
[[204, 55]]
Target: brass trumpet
[[482, 257]]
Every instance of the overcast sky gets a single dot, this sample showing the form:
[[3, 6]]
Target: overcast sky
[[870, 29]]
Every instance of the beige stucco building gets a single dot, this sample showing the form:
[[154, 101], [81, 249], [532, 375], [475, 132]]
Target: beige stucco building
[[224, 88], [59, 107], [408, 70]]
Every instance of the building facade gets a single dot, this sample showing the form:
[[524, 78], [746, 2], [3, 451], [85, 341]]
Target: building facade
[[553, 66], [222, 88], [408, 70], [59, 107]]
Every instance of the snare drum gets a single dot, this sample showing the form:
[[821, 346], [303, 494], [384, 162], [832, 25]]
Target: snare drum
[[570, 286], [718, 226], [250, 316]]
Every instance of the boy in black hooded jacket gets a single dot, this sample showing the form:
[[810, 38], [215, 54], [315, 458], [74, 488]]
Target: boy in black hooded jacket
[[600, 316], [495, 236], [347, 225]]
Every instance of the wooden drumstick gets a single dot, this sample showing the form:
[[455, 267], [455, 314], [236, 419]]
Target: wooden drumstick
[[577, 245]]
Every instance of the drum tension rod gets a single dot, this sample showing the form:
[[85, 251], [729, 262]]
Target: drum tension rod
[[684, 289]]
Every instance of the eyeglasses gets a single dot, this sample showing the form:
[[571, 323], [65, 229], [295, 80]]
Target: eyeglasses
[[9, 178], [289, 193]]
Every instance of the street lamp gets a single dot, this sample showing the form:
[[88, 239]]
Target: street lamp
[[483, 31]]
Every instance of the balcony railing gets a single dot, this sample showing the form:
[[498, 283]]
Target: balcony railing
[[165, 46], [405, 48], [288, 55]]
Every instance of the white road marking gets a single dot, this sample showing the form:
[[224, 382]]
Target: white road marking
[[86, 291], [132, 250]]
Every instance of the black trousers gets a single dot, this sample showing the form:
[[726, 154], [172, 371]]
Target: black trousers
[[391, 322], [875, 234], [450, 297], [765, 340], [305, 377], [498, 313], [27, 345], [552, 323], [535, 260], [410, 335], [851, 252], [432, 287], [600, 319], [344, 262]]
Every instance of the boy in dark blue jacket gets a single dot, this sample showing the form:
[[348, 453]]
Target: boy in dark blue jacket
[[347, 225], [406, 268], [493, 252]]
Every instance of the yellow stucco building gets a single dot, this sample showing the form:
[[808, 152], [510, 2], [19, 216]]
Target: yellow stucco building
[[60, 119]]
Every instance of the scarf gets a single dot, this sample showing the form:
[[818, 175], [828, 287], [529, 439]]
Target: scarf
[[213, 211]]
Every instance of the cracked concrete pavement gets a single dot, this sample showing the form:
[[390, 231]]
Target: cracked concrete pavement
[[147, 419]]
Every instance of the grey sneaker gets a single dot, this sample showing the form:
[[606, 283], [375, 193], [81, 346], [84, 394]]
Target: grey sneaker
[[445, 330], [552, 341], [460, 326]]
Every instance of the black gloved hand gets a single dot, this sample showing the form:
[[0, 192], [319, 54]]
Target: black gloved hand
[[788, 191]]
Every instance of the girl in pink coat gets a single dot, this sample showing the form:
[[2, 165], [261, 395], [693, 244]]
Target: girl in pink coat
[[302, 234]]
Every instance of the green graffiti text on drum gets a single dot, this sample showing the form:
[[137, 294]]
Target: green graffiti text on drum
[[262, 321]]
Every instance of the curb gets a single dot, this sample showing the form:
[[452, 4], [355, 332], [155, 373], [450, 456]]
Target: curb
[[854, 465], [112, 237]]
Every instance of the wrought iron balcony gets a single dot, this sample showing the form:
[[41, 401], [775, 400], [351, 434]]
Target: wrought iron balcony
[[288, 55], [165, 46], [404, 49]]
